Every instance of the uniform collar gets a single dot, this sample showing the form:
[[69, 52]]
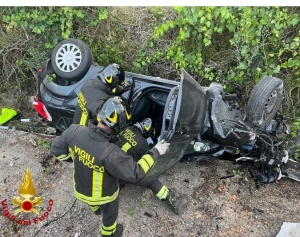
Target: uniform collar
[[99, 84], [99, 133]]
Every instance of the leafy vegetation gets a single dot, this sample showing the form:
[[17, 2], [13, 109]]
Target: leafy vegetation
[[230, 43]]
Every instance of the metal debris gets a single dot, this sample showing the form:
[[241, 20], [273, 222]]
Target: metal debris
[[33, 142], [51, 131]]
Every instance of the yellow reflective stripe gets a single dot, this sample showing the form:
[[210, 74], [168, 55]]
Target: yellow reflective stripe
[[144, 165], [147, 127], [106, 233], [63, 157], [114, 118], [126, 147], [96, 201], [109, 80], [97, 184], [71, 152], [128, 116], [94, 208], [163, 192], [83, 119], [149, 159], [146, 162], [109, 228]]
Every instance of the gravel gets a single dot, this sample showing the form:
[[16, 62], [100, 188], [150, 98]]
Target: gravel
[[232, 206]]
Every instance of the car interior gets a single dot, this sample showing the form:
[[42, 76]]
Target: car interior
[[150, 104]]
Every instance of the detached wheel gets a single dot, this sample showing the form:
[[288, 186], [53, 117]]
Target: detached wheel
[[71, 59], [264, 101]]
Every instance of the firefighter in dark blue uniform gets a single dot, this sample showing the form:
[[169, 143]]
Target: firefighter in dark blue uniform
[[99, 163], [110, 82], [135, 141]]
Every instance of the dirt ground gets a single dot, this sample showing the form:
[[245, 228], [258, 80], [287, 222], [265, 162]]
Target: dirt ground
[[218, 206]]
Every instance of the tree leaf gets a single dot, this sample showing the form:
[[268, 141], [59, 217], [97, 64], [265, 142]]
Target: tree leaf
[[244, 50], [242, 65]]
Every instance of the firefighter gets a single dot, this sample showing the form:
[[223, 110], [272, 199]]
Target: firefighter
[[110, 81], [135, 141], [99, 163]]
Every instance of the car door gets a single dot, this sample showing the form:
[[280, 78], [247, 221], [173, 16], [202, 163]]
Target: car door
[[183, 119]]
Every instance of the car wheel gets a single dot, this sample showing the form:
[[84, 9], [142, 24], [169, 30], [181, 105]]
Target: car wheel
[[264, 101], [71, 59]]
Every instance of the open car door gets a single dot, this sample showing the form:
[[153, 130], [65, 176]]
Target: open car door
[[183, 119]]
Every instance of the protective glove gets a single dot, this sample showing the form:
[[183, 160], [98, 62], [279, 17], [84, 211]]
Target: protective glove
[[159, 149], [121, 89], [127, 85], [162, 147]]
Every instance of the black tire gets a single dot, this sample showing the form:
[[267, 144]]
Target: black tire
[[264, 101], [71, 59]]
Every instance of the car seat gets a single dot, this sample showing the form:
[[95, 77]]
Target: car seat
[[141, 109]]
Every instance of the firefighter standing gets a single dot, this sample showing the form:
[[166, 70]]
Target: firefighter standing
[[99, 163], [133, 141], [110, 81]]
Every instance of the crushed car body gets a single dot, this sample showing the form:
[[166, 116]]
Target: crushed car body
[[199, 122]]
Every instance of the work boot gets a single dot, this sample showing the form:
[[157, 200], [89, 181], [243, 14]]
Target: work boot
[[177, 202], [119, 231]]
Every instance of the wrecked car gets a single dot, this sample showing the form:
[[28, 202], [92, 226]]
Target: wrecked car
[[199, 122]]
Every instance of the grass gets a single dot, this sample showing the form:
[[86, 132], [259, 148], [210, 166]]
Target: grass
[[131, 211]]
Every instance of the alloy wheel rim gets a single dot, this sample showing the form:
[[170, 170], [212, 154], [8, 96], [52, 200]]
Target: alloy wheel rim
[[68, 57]]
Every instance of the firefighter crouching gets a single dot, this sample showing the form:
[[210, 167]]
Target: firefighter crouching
[[99, 163], [109, 82], [135, 141]]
